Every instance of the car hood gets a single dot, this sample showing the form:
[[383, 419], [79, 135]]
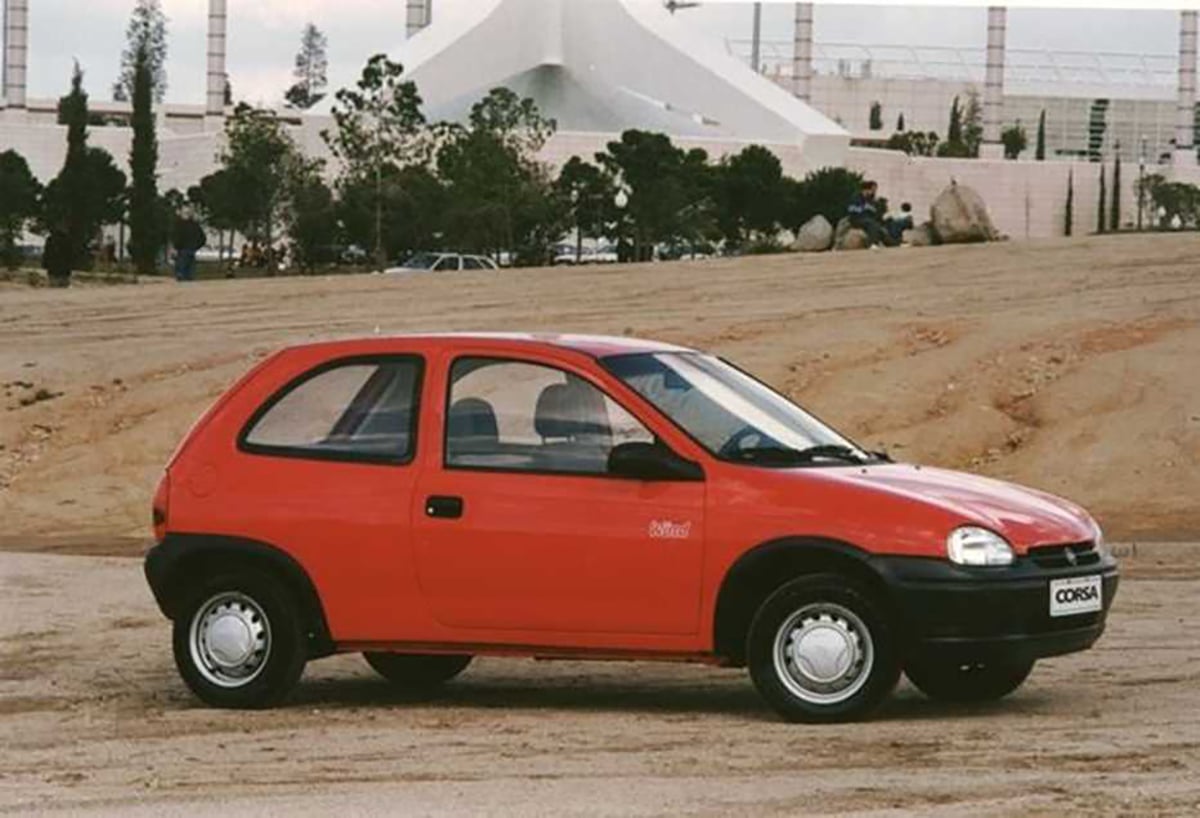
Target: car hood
[[1025, 517]]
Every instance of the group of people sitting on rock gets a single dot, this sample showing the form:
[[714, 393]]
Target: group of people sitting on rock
[[881, 228]]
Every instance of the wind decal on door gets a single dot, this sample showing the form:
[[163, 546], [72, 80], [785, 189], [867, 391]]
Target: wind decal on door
[[670, 530]]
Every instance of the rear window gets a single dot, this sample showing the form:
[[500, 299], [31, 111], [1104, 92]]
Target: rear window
[[352, 410]]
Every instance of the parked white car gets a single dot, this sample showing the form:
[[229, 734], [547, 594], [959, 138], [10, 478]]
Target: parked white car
[[442, 262], [600, 254]]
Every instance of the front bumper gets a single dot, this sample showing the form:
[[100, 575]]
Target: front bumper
[[955, 613]]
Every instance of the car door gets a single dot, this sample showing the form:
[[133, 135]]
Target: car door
[[523, 531]]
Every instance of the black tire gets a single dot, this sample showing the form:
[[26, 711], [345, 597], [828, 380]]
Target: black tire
[[976, 682], [281, 662], [863, 689], [416, 672]]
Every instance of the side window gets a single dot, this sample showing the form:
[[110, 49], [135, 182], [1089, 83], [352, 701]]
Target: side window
[[520, 416], [447, 263], [359, 410], [472, 263]]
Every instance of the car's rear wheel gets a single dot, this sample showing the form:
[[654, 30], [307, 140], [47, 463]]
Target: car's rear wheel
[[239, 641], [971, 682], [819, 650], [417, 672]]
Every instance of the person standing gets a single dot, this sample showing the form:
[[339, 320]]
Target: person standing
[[187, 241]]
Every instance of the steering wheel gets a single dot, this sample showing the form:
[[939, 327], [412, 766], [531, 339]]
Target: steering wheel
[[746, 435]]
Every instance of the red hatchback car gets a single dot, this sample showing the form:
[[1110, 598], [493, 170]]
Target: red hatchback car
[[427, 499]]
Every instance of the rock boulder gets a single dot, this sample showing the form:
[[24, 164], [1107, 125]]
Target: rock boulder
[[849, 238], [959, 216], [919, 236], [816, 236]]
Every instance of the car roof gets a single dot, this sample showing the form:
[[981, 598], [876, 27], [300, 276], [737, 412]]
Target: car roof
[[596, 346]]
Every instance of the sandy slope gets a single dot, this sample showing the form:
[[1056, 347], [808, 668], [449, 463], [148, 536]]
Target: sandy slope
[[93, 719], [1071, 365]]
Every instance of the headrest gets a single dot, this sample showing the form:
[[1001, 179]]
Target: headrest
[[472, 418], [571, 411]]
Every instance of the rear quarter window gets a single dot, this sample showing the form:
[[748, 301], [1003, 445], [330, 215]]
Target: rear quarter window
[[355, 410]]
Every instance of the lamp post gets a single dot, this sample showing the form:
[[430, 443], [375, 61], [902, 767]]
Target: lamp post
[[578, 227], [621, 201]]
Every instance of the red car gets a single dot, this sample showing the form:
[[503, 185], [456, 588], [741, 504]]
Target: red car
[[428, 499]]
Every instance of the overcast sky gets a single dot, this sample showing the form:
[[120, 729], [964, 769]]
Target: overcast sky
[[264, 35]]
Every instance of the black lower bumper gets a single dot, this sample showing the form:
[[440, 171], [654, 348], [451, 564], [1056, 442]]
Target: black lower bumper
[[959, 614]]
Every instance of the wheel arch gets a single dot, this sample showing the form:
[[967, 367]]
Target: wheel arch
[[180, 559], [759, 572]]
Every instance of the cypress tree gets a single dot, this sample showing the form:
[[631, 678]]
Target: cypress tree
[[1115, 210], [900, 123], [1102, 222], [145, 237], [954, 134], [1069, 225], [1041, 137], [67, 210], [876, 117]]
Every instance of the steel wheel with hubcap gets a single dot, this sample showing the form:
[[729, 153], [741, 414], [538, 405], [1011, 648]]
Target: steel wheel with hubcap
[[230, 639], [238, 641], [818, 650], [823, 653]]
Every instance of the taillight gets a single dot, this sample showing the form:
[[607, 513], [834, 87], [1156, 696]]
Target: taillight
[[161, 507]]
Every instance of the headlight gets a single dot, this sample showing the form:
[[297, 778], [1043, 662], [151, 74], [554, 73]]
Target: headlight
[[1102, 547], [978, 546]]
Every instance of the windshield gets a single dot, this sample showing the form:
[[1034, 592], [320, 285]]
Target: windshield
[[729, 413], [422, 261]]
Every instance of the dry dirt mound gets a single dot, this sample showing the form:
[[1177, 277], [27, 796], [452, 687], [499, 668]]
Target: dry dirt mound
[[1067, 365]]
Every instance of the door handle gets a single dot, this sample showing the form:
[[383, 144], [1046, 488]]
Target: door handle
[[444, 508]]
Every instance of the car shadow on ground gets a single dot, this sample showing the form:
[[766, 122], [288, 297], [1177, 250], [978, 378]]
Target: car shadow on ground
[[720, 696], [542, 694]]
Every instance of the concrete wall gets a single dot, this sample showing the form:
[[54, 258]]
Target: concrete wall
[[184, 159], [1027, 199]]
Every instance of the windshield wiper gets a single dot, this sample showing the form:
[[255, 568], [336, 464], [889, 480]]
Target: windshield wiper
[[833, 452], [784, 455]]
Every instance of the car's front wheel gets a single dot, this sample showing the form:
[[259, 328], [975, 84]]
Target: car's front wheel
[[418, 673], [239, 641], [819, 650], [971, 682]]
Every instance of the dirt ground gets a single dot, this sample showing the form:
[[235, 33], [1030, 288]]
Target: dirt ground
[[95, 720], [1073, 366]]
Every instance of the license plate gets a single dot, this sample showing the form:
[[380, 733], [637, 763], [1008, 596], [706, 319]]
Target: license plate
[[1076, 596]]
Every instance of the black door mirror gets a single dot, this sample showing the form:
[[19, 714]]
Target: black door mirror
[[651, 461]]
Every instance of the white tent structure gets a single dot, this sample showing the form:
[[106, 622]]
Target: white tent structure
[[603, 66]]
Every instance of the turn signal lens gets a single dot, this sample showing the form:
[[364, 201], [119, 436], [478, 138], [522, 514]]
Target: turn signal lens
[[970, 545]]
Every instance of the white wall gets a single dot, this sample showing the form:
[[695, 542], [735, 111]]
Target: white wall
[[1027, 199]]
